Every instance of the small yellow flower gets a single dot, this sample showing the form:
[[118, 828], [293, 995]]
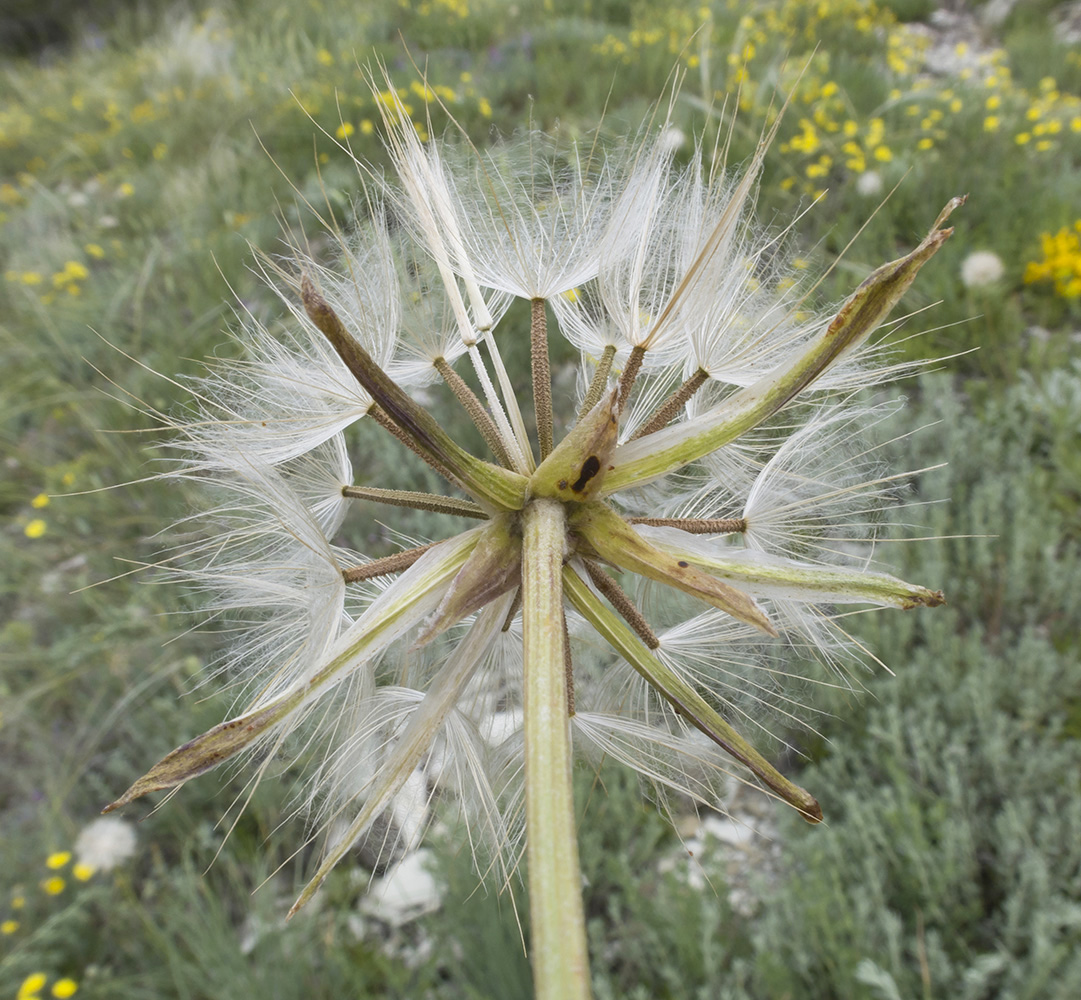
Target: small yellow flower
[[18, 902], [367, 127], [63, 988], [83, 872], [883, 154], [925, 143], [345, 130], [73, 271], [324, 58], [41, 500], [1021, 138], [991, 123], [32, 984], [484, 107], [94, 250], [126, 190], [54, 886], [9, 926], [35, 529], [58, 858]]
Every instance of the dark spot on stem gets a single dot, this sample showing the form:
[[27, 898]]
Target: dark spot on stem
[[590, 467], [683, 564]]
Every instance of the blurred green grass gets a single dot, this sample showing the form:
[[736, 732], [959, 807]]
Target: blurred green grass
[[140, 155]]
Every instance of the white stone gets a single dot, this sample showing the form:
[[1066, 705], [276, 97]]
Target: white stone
[[728, 831], [407, 891]]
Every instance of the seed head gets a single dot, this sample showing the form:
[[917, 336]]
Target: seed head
[[710, 501]]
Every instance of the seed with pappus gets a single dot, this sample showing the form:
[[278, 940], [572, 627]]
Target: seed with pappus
[[635, 564]]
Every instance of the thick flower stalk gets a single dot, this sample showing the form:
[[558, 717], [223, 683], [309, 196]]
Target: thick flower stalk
[[635, 564]]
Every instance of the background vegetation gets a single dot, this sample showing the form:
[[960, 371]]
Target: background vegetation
[[142, 145]]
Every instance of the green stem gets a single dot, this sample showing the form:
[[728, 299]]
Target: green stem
[[559, 952]]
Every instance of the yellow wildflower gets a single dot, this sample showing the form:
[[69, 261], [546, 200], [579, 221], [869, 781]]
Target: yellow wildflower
[[35, 529], [32, 984]]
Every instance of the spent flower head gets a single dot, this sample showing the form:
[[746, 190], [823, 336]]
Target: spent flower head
[[633, 562]]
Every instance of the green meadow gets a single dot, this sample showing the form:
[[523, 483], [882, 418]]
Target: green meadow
[[147, 150]]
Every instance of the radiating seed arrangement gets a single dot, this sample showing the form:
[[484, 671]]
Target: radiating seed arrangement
[[638, 561]]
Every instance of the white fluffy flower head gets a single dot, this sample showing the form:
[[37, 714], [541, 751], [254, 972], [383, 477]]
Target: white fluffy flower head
[[105, 843], [981, 268], [633, 563]]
